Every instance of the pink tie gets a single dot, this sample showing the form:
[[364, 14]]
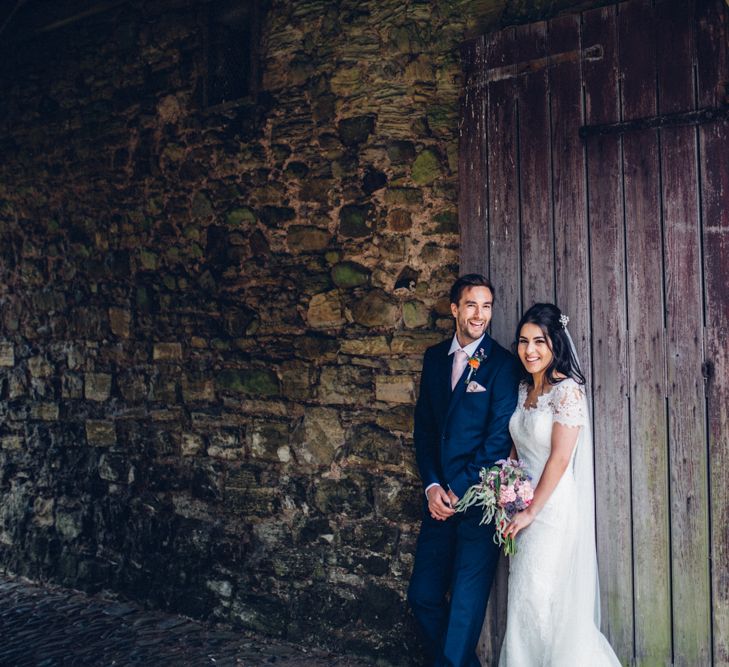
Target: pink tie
[[459, 364]]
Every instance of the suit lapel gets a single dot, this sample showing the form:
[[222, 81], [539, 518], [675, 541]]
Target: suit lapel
[[460, 387]]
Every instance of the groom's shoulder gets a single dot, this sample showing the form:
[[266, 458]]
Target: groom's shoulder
[[498, 351], [503, 356]]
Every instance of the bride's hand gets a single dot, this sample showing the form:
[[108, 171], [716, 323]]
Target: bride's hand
[[520, 521]]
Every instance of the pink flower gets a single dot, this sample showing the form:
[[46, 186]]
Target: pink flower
[[507, 495], [525, 492]]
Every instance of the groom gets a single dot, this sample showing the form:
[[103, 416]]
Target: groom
[[468, 392]]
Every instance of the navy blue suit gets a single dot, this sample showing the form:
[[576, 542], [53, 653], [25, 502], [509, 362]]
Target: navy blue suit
[[456, 434]]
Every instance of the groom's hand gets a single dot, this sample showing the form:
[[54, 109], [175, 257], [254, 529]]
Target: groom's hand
[[439, 504]]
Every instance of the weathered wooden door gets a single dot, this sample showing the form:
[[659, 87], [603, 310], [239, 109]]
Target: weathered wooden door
[[594, 172]]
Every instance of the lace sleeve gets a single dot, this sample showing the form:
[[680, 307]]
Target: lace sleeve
[[568, 404]]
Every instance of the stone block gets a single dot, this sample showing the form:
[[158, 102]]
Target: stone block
[[403, 196], [394, 389], [375, 346], [426, 167], [68, 524], [116, 467], [350, 274], [415, 314], [197, 389], [306, 238], [223, 589], [72, 385], [298, 380], [325, 310], [44, 411], [167, 352], [372, 443], [414, 343], [398, 418], [120, 321], [97, 386], [260, 502], [356, 130], [7, 355], [399, 220], [345, 385], [319, 436], [100, 433], [398, 501], [39, 367], [43, 512], [376, 309], [249, 381], [148, 260], [227, 445], [240, 216], [350, 495], [11, 442], [355, 221], [401, 152], [192, 444], [266, 438]]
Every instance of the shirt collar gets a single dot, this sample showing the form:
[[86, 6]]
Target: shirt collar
[[470, 349]]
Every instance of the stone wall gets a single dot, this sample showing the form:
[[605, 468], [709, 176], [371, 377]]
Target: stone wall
[[213, 319]]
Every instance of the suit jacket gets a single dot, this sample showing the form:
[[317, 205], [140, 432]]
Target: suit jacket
[[458, 432]]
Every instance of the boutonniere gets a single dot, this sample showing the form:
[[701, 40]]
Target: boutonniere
[[475, 362]]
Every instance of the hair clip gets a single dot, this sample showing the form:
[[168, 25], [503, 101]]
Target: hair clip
[[564, 320]]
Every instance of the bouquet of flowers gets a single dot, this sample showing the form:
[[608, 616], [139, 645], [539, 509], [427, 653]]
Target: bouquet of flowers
[[504, 490]]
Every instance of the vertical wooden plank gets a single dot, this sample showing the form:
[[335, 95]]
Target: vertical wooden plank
[[504, 263], [684, 309], [712, 41], [503, 211], [609, 340], [648, 418], [568, 185], [473, 183], [537, 240], [715, 185]]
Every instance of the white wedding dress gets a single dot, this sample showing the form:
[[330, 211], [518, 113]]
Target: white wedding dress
[[553, 615]]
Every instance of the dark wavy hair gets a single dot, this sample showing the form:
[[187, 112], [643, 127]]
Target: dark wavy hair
[[470, 280], [546, 317]]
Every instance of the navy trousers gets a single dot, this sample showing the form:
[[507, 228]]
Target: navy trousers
[[459, 556]]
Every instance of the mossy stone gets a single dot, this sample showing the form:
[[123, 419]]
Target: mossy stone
[[253, 382], [414, 314], [148, 260], [354, 220], [240, 216], [447, 222], [403, 196], [426, 167], [350, 274]]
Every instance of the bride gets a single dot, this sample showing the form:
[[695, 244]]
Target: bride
[[553, 614]]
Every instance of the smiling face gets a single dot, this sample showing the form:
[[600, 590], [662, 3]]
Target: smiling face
[[472, 313], [534, 349]]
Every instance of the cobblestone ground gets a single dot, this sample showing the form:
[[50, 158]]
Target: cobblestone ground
[[47, 626]]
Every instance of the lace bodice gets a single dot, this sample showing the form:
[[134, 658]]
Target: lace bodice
[[531, 428]]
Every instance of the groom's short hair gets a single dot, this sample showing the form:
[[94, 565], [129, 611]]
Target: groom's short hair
[[470, 280]]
